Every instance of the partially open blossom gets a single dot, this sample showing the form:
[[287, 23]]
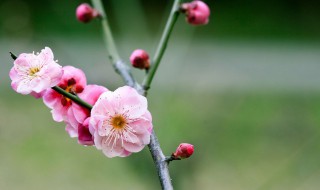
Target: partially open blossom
[[72, 81], [140, 59], [120, 122], [184, 150], [85, 13], [34, 74], [77, 116], [197, 12]]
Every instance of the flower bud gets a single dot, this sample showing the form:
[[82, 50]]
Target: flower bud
[[140, 59], [197, 12], [184, 150], [85, 13], [84, 135]]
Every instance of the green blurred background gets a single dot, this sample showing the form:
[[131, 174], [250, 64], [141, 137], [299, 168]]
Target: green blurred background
[[244, 90]]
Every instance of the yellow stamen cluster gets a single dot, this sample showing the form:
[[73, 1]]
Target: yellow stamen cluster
[[118, 122], [33, 71]]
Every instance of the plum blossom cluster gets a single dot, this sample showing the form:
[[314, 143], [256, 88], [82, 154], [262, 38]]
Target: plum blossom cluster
[[119, 122], [116, 122]]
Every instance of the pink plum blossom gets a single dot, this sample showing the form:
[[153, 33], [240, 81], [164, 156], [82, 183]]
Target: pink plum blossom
[[72, 81], [120, 122], [34, 74], [197, 12], [77, 116]]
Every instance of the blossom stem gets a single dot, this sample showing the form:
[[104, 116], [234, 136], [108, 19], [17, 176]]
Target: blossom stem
[[74, 98], [174, 14], [109, 42], [120, 67], [171, 158]]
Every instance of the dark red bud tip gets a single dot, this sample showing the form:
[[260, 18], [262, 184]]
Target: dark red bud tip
[[184, 150], [140, 59], [85, 13]]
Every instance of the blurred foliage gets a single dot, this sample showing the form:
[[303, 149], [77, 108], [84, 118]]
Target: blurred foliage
[[291, 19]]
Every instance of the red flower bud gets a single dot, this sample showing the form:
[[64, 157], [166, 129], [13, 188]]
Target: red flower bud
[[85, 13], [197, 12], [140, 59], [184, 150]]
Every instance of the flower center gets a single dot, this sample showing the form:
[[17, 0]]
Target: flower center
[[69, 89], [33, 71], [118, 122]]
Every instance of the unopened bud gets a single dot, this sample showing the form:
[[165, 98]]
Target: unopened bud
[[184, 150], [84, 135], [140, 59], [197, 12], [85, 13]]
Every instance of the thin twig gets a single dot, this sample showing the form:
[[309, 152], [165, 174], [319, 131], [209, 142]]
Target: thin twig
[[120, 66], [74, 98], [123, 70], [174, 14]]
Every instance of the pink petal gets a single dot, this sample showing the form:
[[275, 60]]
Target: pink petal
[[46, 55], [51, 97], [133, 147], [130, 101], [73, 132], [79, 113], [104, 105], [13, 74], [114, 151], [40, 84], [23, 87]]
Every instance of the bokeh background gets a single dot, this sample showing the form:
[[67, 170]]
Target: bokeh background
[[245, 90]]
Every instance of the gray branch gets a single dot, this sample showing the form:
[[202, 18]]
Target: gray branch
[[158, 157]]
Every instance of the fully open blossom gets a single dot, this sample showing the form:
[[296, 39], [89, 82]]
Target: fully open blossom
[[77, 116], [72, 81], [120, 122], [35, 73], [197, 12]]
